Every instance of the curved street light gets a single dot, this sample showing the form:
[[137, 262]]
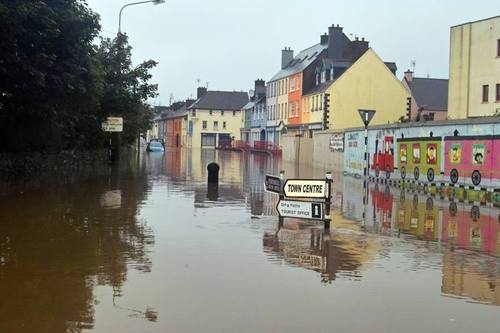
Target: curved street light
[[154, 2]]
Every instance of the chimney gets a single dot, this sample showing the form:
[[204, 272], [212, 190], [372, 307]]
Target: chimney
[[409, 76], [335, 42], [286, 57], [324, 39], [201, 91], [260, 87], [358, 47]]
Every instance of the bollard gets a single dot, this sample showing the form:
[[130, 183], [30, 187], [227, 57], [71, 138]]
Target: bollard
[[212, 191], [213, 173]]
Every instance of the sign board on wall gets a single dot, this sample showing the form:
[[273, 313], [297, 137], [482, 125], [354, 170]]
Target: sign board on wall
[[273, 184], [113, 124], [337, 142]]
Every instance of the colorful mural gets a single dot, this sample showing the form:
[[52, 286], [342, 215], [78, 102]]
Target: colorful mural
[[461, 153]]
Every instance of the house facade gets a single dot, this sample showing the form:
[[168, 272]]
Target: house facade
[[429, 97], [474, 87], [215, 119]]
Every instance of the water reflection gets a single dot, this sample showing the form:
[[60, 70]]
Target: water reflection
[[58, 243], [332, 254]]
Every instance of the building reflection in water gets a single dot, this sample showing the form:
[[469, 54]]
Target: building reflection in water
[[59, 242], [469, 235], [333, 255]]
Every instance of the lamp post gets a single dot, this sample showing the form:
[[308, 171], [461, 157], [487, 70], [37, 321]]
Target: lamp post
[[154, 2]]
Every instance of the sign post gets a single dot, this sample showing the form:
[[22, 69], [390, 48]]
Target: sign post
[[114, 126], [366, 116], [305, 188], [301, 209]]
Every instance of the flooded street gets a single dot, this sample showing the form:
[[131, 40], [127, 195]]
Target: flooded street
[[149, 247]]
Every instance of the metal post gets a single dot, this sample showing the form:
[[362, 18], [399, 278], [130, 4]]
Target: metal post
[[365, 178], [328, 201], [282, 196]]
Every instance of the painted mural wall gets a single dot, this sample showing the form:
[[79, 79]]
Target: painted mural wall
[[459, 153]]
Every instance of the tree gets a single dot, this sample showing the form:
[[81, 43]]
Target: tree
[[126, 89], [47, 75], [57, 85]]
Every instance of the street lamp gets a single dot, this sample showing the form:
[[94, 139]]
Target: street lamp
[[154, 2]]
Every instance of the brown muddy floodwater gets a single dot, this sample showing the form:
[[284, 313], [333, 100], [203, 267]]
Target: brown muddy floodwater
[[148, 247]]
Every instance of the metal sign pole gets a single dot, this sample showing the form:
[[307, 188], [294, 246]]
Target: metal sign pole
[[328, 200], [282, 196]]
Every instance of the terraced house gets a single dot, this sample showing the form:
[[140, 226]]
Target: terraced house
[[254, 129], [348, 71], [215, 118]]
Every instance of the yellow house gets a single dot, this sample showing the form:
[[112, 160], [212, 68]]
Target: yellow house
[[215, 119], [474, 86], [367, 84]]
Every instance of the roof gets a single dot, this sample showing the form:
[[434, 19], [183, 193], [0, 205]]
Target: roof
[[221, 100], [319, 88], [431, 94], [477, 21], [300, 61]]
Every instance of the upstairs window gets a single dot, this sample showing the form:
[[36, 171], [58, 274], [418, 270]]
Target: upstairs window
[[485, 93], [210, 112], [223, 125], [498, 48], [222, 112], [498, 92], [216, 125], [204, 125], [234, 113]]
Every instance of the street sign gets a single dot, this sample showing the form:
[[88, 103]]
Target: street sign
[[305, 188], [301, 209], [366, 115], [273, 184], [113, 124]]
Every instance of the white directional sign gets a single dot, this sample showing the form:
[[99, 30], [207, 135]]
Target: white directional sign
[[304, 188], [301, 209], [113, 124]]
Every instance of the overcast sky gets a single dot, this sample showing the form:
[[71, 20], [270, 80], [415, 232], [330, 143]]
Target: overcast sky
[[230, 43]]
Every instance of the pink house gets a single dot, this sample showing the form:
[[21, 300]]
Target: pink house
[[429, 97]]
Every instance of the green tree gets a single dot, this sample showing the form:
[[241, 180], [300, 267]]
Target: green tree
[[47, 75], [57, 84], [126, 89]]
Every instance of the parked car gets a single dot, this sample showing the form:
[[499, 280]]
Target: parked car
[[155, 146]]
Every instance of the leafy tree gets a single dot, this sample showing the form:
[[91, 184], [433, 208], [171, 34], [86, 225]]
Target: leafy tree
[[57, 84], [46, 71], [126, 88]]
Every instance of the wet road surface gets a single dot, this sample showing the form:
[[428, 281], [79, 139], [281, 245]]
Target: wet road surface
[[149, 247]]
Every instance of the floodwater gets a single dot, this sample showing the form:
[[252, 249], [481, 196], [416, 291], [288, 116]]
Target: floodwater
[[149, 247]]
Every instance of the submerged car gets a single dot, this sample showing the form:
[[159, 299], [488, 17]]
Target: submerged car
[[155, 146]]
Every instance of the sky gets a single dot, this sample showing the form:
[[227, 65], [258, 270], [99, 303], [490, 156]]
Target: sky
[[230, 43]]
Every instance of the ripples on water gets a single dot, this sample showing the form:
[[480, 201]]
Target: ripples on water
[[143, 246]]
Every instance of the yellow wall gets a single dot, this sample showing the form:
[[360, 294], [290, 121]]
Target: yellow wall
[[473, 63], [233, 124], [367, 84]]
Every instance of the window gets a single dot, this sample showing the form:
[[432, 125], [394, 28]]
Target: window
[[216, 125], [321, 102], [222, 112], [485, 93], [210, 112], [234, 113], [498, 48], [223, 125], [193, 113], [292, 84], [204, 125], [323, 76], [498, 92], [286, 111], [292, 111]]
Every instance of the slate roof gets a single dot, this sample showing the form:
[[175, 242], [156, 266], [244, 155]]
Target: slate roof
[[300, 61], [221, 100], [431, 94]]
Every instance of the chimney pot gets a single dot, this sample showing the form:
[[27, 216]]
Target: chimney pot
[[409, 76]]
